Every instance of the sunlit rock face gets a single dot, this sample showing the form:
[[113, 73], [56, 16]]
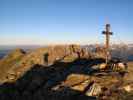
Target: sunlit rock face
[[67, 53], [128, 88], [77, 81]]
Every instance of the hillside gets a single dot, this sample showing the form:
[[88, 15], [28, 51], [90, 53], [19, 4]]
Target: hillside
[[61, 73], [10, 60]]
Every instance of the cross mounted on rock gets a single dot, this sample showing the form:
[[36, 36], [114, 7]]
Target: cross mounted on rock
[[107, 34]]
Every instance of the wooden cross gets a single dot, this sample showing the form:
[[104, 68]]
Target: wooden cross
[[107, 41]]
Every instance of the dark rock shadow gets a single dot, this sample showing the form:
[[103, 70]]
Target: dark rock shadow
[[36, 83]]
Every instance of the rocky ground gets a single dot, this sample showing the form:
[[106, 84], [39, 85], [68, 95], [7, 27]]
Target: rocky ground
[[61, 73]]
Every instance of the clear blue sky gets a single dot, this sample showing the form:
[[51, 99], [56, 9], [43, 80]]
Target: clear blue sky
[[64, 21]]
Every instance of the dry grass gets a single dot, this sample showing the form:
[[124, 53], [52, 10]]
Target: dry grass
[[8, 62]]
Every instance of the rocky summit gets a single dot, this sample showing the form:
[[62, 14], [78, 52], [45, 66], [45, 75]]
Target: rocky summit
[[62, 72]]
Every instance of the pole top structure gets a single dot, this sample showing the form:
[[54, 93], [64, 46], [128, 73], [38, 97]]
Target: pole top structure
[[107, 30]]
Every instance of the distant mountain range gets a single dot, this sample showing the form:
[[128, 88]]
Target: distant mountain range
[[130, 45], [119, 50], [5, 49]]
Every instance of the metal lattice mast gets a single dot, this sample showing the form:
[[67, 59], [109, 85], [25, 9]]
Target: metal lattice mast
[[107, 34]]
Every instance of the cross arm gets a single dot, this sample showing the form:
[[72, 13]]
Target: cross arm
[[110, 33]]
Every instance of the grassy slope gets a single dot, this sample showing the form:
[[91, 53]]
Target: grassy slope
[[7, 62]]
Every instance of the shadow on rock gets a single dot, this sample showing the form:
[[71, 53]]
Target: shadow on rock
[[37, 83]]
